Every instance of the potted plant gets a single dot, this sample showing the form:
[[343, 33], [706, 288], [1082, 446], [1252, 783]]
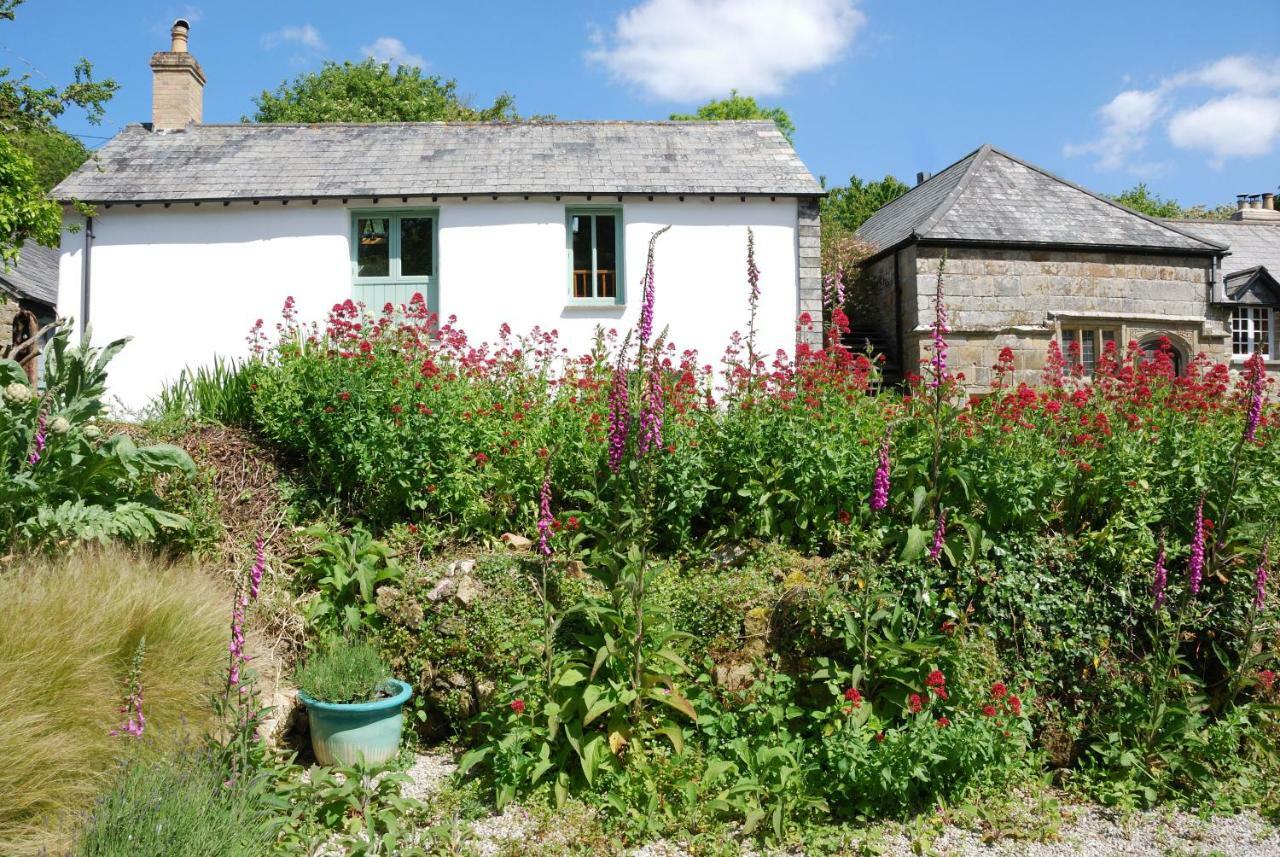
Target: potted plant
[[354, 706]]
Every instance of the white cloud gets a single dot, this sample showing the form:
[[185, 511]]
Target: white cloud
[[304, 35], [685, 50], [1235, 125], [389, 49], [1245, 122]]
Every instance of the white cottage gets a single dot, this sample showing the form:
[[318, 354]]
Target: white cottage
[[200, 230]]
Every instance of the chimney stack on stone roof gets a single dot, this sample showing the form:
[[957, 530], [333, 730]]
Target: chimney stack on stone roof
[[177, 84], [1256, 208]]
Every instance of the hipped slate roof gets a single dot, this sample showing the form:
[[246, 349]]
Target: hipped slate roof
[[35, 276], [994, 198], [248, 161]]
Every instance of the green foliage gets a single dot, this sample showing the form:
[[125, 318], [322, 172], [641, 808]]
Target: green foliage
[[740, 107], [176, 805], [343, 671], [371, 91], [218, 394], [68, 630], [345, 571], [1141, 198], [850, 206], [25, 212], [357, 809], [55, 154], [61, 478]]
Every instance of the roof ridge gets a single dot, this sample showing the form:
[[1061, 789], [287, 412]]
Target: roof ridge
[[477, 123], [979, 156], [1111, 202]]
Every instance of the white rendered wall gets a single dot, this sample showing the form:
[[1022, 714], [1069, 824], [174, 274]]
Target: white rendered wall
[[187, 283]]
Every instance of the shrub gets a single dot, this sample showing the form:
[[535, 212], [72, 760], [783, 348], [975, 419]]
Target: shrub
[[179, 805], [59, 477], [68, 630], [343, 671]]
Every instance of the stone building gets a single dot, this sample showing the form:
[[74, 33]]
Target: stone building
[[28, 295], [1031, 258]]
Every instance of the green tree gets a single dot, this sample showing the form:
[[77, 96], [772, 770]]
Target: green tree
[[54, 153], [740, 107], [1140, 198], [27, 110], [849, 207], [371, 91]]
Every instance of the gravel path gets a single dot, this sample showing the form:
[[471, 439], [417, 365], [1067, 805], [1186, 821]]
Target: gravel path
[[1087, 830]]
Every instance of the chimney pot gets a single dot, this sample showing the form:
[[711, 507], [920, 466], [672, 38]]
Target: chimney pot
[[921, 177], [179, 34], [1242, 201], [177, 84], [1269, 201]]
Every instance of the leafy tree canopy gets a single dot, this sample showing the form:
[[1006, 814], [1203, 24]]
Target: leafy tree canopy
[[849, 207], [741, 107], [26, 113], [1140, 198], [370, 91], [55, 154]]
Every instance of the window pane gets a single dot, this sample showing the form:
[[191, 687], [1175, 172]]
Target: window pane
[[1240, 331], [1088, 352], [415, 247], [373, 247], [606, 256], [1262, 332], [581, 255]]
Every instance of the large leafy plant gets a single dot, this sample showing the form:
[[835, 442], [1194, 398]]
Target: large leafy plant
[[61, 479]]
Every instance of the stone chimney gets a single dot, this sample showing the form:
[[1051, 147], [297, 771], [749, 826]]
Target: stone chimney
[[1256, 208], [177, 84]]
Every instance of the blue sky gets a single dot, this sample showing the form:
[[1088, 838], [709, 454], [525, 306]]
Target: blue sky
[[1182, 94]]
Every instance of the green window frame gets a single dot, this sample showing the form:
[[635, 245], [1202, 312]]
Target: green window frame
[[592, 282], [394, 287]]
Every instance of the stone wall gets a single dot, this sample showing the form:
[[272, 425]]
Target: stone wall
[[1022, 299], [809, 250]]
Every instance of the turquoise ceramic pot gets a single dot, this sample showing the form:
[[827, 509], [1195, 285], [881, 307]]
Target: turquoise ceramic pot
[[343, 734]]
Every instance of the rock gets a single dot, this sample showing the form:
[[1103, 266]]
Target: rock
[[755, 625], [731, 556], [444, 589], [575, 568], [462, 566], [734, 676], [516, 543], [276, 724], [468, 590]]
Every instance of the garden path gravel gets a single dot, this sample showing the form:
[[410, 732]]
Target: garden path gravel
[[1092, 831]]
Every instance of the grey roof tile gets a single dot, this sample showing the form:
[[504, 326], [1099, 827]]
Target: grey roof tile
[[35, 276], [990, 196], [248, 161], [1252, 244]]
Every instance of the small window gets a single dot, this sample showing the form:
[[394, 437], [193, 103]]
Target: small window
[[595, 255], [393, 257], [1083, 347], [1251, 331]]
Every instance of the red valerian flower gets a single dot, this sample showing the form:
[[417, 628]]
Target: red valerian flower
[[1267, 678], [936, 679], [843, 516], [989, 710], [344, 396], [1015, 704], [879, 737], [948, 627], [481, 459], [998, 690], [914, 703], [517, 705], [854, 697], [943, 722]]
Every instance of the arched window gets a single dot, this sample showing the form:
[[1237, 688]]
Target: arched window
[[1150, 346]]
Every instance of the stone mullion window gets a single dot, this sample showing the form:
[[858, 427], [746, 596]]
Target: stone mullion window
[[1091, 342], [1252, 329]]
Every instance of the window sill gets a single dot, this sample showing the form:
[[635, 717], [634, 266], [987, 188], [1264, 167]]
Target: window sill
[[594, 306]]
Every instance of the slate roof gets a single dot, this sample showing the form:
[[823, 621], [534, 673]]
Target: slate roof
[[991, 197], [1252, 244], [35, 276], [249, 161]]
